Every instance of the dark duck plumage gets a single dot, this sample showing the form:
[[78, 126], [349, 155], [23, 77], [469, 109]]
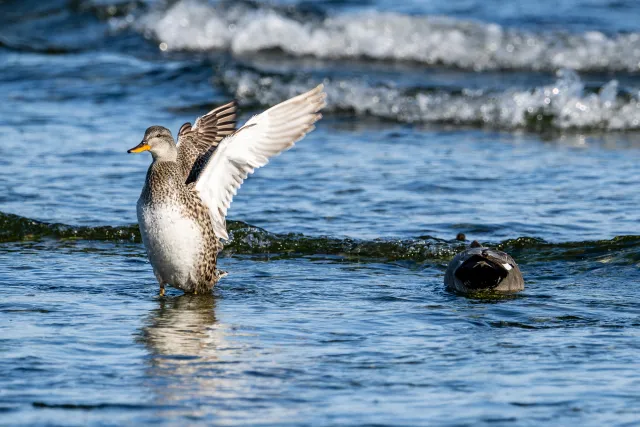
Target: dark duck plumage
[[483, 269]]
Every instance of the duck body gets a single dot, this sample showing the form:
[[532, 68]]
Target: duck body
[[176, 230], [190, 185], [479, 268]]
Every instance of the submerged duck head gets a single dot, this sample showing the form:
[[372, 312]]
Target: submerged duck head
[[159, 141], [479, 269]]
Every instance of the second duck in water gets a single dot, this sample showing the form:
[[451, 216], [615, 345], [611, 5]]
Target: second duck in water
[[483, 269], [190, 185]]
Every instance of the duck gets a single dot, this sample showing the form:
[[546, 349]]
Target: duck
[[479, 268], [190, 183]]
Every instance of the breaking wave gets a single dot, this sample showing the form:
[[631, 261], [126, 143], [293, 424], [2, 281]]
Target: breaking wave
[[246, 239], [244, 28], [565, 104]]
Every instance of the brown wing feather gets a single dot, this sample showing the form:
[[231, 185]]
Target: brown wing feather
[[184, 128], [196, 143]]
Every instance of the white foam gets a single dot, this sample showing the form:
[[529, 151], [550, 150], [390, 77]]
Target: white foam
[[188, 25], [562, 105], [195, 25]]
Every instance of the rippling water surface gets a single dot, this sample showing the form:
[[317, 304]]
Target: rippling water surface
[[509, 123]]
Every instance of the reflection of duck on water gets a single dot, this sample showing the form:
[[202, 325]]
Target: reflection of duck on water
[[182, 326], [182, 338]]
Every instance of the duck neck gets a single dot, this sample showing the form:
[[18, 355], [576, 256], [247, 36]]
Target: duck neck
[[165, 154]]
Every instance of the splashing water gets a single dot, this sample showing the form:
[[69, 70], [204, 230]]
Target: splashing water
[[243, 28], [562, 105]]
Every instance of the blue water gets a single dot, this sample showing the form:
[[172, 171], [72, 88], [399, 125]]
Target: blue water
[[496, 119]]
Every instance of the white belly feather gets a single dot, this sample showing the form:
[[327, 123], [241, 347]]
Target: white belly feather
[[173, 243]]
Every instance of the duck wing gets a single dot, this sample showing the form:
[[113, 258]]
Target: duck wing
[[198, 142], [250, 147]]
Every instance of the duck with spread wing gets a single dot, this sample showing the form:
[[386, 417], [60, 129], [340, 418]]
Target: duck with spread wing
[[190, 185]]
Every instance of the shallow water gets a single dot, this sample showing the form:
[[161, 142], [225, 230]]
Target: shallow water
[[296, 341], [334, 311]]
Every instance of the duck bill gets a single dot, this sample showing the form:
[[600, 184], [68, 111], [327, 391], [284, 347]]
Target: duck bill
[[143, 146]]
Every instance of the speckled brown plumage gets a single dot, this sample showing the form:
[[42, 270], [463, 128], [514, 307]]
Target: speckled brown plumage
[[189, 186], [165, 185], [196, 144]]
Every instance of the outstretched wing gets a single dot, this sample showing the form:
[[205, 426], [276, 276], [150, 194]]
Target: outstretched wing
[[251, 147], [197, 143]]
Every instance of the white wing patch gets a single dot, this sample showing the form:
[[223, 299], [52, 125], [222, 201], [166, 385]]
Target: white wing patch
[[262, 137], [507, 266]]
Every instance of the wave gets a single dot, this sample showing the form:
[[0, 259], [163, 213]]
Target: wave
[[564, 105], [243, 239], [246, 239], [245, 27]]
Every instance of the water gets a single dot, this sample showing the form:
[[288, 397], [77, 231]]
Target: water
[[513, 125]]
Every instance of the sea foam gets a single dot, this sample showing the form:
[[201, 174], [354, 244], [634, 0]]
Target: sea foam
[[244, 28], [565, 104]]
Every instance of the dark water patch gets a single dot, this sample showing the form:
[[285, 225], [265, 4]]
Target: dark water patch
[[19, 11], [534, 404], [246, 239], [44, 48], [621, 249], [47, 27], [25, 310], [90, 407], [15, 228], [108, 9]]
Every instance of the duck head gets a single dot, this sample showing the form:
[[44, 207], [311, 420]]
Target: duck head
[[159, 142]]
